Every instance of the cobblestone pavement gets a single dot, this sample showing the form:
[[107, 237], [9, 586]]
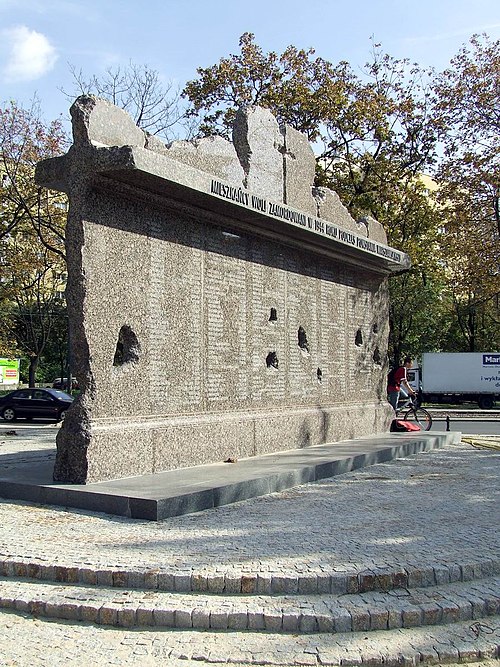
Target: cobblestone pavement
[[436, 511], [437, 508], [31, 642]]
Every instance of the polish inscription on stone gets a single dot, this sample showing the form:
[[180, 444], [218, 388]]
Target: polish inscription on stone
[[300, 219]]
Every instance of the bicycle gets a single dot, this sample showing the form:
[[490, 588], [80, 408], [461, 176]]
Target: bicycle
[[410, 411]]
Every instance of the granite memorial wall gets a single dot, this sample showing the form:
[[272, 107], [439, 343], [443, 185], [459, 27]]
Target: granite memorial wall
[[220, 305]]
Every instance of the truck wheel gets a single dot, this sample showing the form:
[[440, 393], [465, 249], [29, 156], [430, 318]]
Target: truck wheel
[[485, 402]]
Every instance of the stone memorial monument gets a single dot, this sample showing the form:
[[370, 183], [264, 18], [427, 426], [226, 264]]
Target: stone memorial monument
[[220, 305]]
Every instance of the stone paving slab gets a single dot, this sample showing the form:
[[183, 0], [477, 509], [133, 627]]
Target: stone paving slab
[[431, 517], [435, 511]]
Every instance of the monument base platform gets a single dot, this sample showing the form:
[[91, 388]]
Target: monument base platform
[[183, 491]]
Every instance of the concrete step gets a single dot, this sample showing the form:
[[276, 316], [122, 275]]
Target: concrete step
[[364, 612], [235, 582]]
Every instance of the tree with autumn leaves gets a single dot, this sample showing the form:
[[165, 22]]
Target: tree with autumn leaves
[[32, 226], [467, 112]]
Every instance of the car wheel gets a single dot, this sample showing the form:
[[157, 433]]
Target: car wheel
[[9, 414], [61, 416]]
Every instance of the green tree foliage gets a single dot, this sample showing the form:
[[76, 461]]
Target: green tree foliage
[[416, 309], [382, 138], [31, 314], [55, 360], [25, 140], [297, 88], [369, 131]]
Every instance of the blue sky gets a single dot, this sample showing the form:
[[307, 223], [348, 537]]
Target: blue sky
[[40, 39]]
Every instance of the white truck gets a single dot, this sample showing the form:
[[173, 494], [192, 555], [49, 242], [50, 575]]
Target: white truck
[[456, 377]]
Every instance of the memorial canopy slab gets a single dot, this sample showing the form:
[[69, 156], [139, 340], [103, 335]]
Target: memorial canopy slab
[[209, 317], [246, 211]]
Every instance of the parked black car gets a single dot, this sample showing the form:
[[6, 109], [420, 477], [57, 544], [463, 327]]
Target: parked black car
[[32, 403]]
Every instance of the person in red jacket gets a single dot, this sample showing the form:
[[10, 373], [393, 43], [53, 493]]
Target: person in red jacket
[[397, 383]]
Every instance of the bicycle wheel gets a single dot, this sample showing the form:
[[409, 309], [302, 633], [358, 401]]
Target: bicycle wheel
[[420, 416]]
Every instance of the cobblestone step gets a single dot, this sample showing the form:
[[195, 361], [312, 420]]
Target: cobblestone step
[[233, 582], [400, 608], [71, 643], [431, 517]]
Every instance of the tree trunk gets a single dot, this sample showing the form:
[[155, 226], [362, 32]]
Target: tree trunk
[[32, 370]]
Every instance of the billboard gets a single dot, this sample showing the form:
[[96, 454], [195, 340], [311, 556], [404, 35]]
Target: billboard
[[9, 371]]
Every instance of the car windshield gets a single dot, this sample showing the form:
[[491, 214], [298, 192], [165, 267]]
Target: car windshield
[[60, 394]]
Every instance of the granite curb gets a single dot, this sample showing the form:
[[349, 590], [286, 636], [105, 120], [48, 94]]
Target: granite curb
[[365, 612], [260, 583]]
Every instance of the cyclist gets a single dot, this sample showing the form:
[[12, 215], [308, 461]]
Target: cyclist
[[396, 378]]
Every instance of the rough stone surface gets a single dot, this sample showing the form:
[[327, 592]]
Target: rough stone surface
[[99, 122], [376, 231], [215, 155], [299, 171], [203, 325], [259, 144], [331, 208]]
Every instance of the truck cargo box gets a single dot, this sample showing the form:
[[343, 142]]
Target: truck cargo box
[[461, 372], [465, 376]]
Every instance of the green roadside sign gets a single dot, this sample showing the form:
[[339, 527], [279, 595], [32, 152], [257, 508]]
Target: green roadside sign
[[9, 371]]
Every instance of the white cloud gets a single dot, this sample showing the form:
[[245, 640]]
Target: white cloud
[[30, 55]]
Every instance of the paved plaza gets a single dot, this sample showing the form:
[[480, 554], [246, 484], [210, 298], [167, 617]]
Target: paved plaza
[[284, 579]]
